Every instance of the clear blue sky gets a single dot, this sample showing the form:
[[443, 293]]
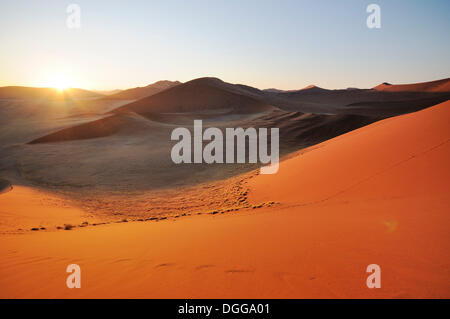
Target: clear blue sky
[[283, 44]]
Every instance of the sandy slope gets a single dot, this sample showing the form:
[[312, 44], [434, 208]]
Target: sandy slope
[[199, 95], [431, 86], [24, 208], [375, 195], [352, 161], [141, 92]]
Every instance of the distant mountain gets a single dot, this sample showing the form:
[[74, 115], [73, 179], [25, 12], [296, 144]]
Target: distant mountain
[[141, 92], [432, 86], [25, 92]]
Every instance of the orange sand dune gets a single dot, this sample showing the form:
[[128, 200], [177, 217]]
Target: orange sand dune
[[378, 194], [23, 208], [341, 168], [431, 86]]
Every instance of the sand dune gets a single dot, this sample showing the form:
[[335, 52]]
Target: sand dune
[[378, 194], [300, 130], [432, 86], [310, 87], [372, 152], [204, 94], [393, 107], [30, 209], [141, 92], [99, 128], [318, 100], [313, 99]]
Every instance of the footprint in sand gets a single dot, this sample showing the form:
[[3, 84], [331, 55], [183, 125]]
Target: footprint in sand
[[165, 265], [203, 267], [238, 271]]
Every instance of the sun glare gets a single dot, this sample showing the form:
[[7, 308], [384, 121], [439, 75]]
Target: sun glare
[[60, 87], [58, 82]]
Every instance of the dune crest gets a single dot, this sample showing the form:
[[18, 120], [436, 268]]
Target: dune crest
[[431, 86], [142, 92]]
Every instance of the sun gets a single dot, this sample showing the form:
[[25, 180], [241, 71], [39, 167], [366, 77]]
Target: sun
[[60, 84], [60, 87], [57, 81]]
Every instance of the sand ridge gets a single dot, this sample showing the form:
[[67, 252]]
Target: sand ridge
[[141, 92], [431, 86]]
